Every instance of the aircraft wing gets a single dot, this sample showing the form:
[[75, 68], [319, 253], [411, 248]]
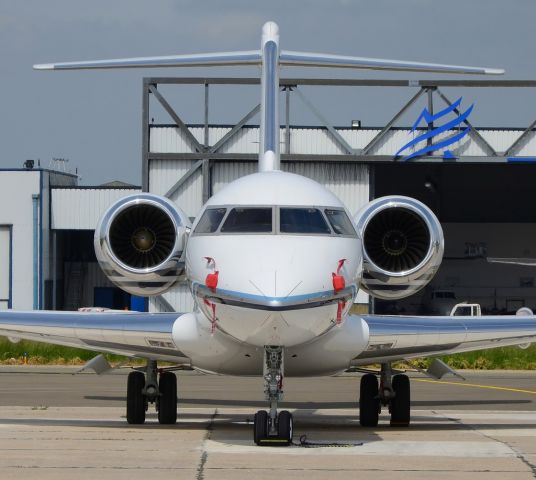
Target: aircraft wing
[[529, 262], [403, 337], [134, 334]]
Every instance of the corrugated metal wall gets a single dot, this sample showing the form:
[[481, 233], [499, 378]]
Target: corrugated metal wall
[[92, 276], [165, 173], [318, 141], [81, 208]]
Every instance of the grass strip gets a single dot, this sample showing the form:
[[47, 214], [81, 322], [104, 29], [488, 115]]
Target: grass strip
[[505, 358], [37, 353]]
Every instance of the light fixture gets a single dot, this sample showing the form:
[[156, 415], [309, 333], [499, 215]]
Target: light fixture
[[430, 184], [356, 123]]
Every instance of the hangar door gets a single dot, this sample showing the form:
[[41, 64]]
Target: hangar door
[[5, 267]]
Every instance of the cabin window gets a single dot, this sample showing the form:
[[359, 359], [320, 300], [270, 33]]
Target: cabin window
[[248, 220], [210, 221], [340, 222], [302, 220]]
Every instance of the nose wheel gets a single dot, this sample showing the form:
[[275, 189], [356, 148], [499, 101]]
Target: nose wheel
[[261, 429], [273, 428]]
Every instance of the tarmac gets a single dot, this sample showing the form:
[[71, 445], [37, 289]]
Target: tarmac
[[54, 425]]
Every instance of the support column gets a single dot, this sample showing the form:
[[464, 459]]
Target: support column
[[35, 203]]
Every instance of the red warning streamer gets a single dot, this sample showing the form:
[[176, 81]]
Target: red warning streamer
[[338, 280], [213, 318]]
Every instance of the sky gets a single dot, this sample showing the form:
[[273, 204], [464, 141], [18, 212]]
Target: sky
[[93, 118]]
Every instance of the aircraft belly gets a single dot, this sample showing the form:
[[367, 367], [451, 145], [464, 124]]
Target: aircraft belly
[[218, 352]]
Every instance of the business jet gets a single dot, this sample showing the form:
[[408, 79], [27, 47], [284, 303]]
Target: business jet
[[274, 262]]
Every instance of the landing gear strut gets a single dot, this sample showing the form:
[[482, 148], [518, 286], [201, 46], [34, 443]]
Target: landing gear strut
[[144, 389], [272, 428], [393, 391]]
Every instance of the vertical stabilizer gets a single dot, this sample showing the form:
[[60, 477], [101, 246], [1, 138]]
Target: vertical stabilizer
[[269, 128]]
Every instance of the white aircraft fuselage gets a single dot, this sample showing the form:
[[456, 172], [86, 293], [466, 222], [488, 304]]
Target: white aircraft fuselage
[[275, 280]]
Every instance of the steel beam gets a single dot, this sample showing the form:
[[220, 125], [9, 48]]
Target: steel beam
[[297, 157], [167, 306], [473, 132], [336, 135], [145, 137], [430, 93], [518, 142], [206, 118], [287, 119], [388, 127], [182, 126], [185, 177], [345, 82], [205, 167], [231, 133]]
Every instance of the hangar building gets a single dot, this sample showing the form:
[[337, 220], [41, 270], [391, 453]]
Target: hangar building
[[478, 181]]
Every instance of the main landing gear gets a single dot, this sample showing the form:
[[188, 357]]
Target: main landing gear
[[393, 391], [143, 389], [272, 428]]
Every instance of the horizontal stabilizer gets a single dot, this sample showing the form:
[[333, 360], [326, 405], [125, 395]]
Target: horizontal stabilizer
[[195, 60], [253, 57], [326, 60]]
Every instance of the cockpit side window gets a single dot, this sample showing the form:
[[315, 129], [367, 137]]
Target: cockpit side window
[[210, 221], [302, 220], [248, 220], [340, 222]]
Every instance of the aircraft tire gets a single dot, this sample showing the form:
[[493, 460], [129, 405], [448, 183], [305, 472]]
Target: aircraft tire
[[369, 402], [400, 404], [135, 398], [260, 426], [285, 426], [167, 402]]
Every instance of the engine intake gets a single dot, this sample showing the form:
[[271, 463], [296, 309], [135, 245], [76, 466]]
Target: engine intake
[[402, 246], [139, 243]]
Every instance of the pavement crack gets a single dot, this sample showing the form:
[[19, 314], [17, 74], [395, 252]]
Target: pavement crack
[[519, 455], [204, 454]]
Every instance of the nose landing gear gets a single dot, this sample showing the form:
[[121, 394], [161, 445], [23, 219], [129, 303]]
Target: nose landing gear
[[273, 428], [393, 392]]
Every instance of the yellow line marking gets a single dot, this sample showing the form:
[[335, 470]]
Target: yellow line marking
[[474, 385]]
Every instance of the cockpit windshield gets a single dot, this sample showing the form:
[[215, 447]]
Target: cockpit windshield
[[340, 222], [278, 220], [248, 220], [302, 220], [210, 221]]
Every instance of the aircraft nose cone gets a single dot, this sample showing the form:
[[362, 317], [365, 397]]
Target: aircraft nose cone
[[274, 283]]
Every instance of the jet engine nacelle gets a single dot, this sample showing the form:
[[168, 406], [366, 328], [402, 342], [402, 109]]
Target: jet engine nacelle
[[402, 246], [140, 242]]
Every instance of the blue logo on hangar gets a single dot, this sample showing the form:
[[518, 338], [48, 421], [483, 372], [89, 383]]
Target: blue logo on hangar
[[445, 141]]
